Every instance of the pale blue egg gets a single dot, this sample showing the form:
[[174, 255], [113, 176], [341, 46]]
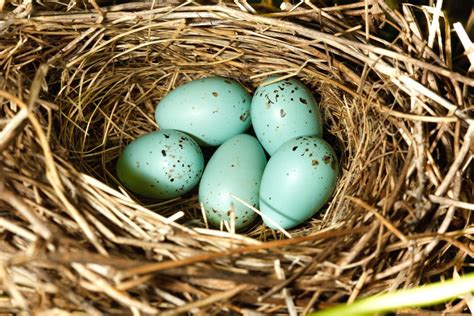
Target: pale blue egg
[[282, 111], [212, 110], [235, 168], [162, 165], [298, 180]]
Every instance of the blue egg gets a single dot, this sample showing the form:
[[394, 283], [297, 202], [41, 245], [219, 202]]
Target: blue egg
[[162, 165], [282, 111], [212, 110], [298, 180], [235, 169]]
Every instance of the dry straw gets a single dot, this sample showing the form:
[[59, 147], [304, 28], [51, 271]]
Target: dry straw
[[77, 86]]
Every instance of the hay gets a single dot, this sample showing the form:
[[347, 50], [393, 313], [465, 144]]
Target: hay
[[76, 87]]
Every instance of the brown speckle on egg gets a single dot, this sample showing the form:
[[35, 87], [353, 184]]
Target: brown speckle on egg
[[269, 102], [303, 101], [326, 159], [282, 113], [314, 162], [244, 116], [215, 94]]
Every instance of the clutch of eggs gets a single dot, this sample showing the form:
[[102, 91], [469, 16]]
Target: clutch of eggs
[[215, 111]]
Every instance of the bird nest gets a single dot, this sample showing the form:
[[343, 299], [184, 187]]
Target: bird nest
[[77, 86]]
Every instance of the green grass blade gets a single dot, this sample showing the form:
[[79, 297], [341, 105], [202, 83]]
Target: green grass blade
[[424, 295]]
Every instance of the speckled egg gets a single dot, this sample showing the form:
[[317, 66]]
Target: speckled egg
[[212, 110], [235, 168], [298, 180], [162, 165], [282, 111]]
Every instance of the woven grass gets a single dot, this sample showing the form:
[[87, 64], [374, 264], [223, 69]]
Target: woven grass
[[76, 87]]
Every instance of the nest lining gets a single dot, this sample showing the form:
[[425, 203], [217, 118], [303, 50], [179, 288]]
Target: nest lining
[[67, 224]]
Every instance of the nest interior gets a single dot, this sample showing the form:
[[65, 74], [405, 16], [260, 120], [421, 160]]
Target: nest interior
[[76, 87]]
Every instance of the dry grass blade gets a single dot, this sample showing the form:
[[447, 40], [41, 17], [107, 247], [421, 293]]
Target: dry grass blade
[[153, 267], [207, 301]]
